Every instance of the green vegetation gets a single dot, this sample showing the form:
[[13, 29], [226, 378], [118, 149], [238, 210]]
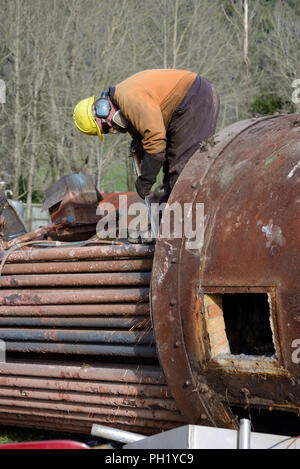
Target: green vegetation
[[17, 435], [265, 105]]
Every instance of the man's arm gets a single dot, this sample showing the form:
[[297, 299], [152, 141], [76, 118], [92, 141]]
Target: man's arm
[[146, 117]]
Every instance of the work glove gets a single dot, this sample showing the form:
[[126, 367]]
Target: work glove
[[149, 171]]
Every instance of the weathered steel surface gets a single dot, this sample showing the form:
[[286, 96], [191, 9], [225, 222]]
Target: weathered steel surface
[[249, 185], [73, 196]]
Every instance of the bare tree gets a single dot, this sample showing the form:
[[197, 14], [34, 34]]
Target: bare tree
[[282, 47]]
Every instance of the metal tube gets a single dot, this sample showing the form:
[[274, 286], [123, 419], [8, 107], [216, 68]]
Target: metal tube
[[139, 351], [110, 433], [92, 398], [45, 423], [76, 280], [75, 296], [119, 309], [145, 426], [81, 253], [77, 336], [146, 415], [244, 434], [115, 373], [135, 323], [62, 423], [115, 265], [143, 391]]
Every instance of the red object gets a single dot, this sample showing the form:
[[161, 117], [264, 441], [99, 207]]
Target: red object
[[54, 444]]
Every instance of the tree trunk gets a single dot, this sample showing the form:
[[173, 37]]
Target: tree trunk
[[246, 58], [17, 109], [130, 175]]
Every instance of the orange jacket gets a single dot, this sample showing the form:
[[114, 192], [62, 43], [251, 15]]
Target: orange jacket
[[148, 100]]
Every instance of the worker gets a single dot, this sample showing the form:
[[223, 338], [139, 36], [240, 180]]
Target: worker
[[167, 112]]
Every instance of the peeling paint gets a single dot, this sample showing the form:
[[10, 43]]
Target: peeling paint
[[273, 234], [291, 173]]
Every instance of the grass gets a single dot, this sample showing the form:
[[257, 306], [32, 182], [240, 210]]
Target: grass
[[17, 435]]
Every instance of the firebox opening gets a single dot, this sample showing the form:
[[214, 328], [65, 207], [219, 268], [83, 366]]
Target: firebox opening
[[247, 321]]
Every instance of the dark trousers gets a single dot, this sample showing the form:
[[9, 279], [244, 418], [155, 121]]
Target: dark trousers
[[194, 121]]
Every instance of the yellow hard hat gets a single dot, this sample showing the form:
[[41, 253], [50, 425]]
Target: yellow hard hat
[[84, 119]]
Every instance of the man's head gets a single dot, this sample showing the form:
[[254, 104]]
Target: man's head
[[99, 116]]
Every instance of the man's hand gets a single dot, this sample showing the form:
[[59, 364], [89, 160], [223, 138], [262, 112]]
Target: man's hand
[[142, 188], [149, 170]]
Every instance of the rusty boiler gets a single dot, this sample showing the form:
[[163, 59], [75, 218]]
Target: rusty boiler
[[150, 337], [227, 316]]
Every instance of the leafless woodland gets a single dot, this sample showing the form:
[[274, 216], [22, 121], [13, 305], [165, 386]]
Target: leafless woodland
[[54, 53]]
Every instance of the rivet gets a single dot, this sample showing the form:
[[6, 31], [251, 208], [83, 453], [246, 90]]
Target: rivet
[[203, 417], [177, 343], [173, 301], [174, 260], [194, 185]]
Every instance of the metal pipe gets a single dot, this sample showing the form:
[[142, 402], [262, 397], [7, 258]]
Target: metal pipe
[[143, 425], [145, 415], [110, 433], [75, 296], [119, 309], [92, 398], [137, 322], [76, 280], [115, 265], [138, 351], [114, 373], [81, 253], [45, 423], [77, 336], [244, 434], [128, 390]]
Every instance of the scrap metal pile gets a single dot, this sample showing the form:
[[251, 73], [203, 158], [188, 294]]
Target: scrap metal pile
[[148, 337], [75, 319]]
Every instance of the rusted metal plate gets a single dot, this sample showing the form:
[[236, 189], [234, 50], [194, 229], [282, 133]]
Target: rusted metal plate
[[249, 185], [73, 196]]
